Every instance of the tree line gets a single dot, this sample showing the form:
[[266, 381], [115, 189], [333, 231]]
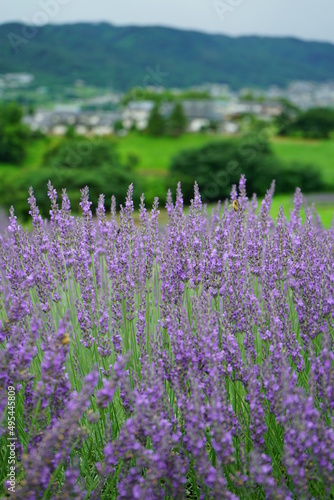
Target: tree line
[[174, 125]]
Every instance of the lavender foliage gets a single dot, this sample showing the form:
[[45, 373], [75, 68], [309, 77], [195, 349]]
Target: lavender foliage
[[195, 362]]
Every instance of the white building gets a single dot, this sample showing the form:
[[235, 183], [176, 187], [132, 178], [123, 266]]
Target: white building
[[137, 113]]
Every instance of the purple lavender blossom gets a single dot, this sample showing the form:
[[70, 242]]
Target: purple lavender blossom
[[195, 362]]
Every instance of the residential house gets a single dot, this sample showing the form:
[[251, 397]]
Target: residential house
[[200, 113], [137, 114], [58, 120]]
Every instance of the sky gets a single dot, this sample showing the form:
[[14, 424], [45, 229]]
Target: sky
[[306, 19]]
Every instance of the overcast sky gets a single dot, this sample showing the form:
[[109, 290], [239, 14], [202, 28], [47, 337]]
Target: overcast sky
[[307, 19]]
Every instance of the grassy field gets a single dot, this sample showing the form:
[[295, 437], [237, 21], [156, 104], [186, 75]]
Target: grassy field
[[324, 209], [312, 152], [155, 155]]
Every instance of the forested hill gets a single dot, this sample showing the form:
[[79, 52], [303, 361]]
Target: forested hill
[[122, 57]]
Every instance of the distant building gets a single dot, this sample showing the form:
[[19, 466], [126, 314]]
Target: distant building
[[307, 95], [59, 130], [81, 130], [230, 128], [102, 130], [137, 114], [266, 110], [197, 124], [198, 112], [271, 109], [85, 123], [200, 109], [67, 108], [16, 80]]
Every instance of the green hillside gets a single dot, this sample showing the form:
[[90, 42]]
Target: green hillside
[[122, 57]]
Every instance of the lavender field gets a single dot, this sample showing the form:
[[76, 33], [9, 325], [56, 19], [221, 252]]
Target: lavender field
[[146, 362]]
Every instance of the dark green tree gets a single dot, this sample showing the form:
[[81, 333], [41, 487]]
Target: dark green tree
[[177, 122], [74, 164], [70, 132], [10, 114], [288, 107], [13, 134], [315, 123], [218, 165], [81, 153], [156, 123], [118, 126]]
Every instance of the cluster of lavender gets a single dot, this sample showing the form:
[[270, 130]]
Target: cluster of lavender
[[190, 361]]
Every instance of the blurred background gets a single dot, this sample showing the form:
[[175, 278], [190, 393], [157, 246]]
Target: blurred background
[[104, 94]]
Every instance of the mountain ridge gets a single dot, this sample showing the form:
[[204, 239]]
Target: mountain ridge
[[103, 54]]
